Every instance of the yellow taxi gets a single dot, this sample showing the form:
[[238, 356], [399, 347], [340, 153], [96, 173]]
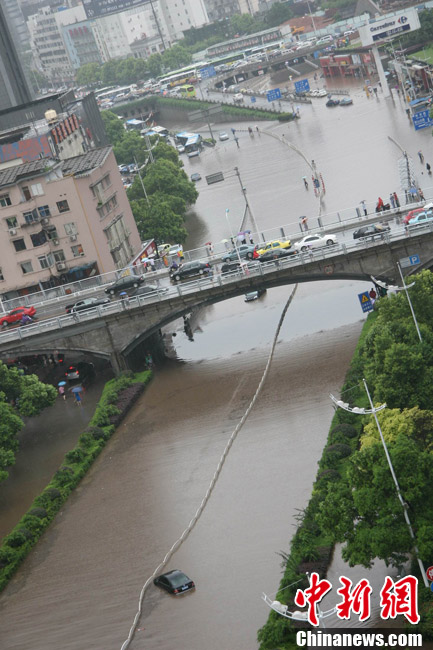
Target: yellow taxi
[[271, 245]]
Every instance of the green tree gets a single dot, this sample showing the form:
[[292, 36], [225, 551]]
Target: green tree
[[166, 152], [113, 127], [176, 57], [109, 73], [242, 24], [88, 73], [167, 178], [278, 13], [154, 65], [160, 219], [130, 147]]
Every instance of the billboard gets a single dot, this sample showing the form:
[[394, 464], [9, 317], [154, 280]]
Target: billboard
[[96, 8], [389, 26]]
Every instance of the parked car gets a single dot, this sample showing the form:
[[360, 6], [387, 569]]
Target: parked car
[[230, 267], [315, 241], [346, 101], [180, 148], [332, 102], [195, 177], [125, 283], [246, 251], [410, 215], [190, 269], [377, 231], [87, 303], [272, 245], [254, 295], [15, 315], [276, 254], [148, 290], [175, 582], [421, 219], [124, 169], [223, 136]]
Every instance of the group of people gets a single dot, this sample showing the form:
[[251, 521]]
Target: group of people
[[394, 202]]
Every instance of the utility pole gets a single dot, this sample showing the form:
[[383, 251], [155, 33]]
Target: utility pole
[[244, 192], [142, 184]]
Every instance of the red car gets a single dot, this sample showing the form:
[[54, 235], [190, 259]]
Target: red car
[[15, 315]]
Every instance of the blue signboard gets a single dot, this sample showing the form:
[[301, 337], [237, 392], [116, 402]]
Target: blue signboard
[[302, 86], [421, 120], [412, 260], [274, 94], [253, 99], [205, 73], [365, 301]]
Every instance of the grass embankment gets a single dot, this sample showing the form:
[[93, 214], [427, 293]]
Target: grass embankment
[[118, 396]]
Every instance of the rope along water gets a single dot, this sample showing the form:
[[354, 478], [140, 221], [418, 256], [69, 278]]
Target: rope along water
[[212, 484]]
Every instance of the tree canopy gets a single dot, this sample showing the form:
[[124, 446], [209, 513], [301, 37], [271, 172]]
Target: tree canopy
[[19, 395]]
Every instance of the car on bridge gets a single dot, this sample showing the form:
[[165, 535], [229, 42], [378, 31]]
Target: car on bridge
[[272, 245], [275, 254], [311, 242], [15, 315], [190, 269], [410, 215], [148, 290], [87, 303], [421, 219], [244, 251], [124, 283], [372, 232]]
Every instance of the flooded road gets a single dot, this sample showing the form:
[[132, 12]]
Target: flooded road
[[79, 588]]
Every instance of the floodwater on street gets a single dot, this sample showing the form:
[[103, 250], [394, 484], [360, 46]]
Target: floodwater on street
[[80, 585]]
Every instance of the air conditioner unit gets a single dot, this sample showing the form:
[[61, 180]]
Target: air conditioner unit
[[82, 254], [45, 221], [12, 231], [73, 238], [56, 242], [60, 266]]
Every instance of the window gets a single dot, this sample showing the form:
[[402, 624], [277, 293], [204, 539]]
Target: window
[[31, 216], [39, 238], [44, 211], [62, 206], [59, 256], [26, 193], [11, 222], [5, 200], [37, 189], [71, 228], [20, 245], [1, 275], [46, 261], [26, 267], [77, 250]]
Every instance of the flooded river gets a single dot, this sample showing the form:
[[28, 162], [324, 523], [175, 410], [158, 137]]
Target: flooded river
[[79, 587]]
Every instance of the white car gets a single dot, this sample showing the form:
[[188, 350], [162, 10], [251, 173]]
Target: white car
[[311, 242], [322, 93], [223, 136]]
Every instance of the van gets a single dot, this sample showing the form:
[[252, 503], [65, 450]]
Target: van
[[326, 39], [238, 98]]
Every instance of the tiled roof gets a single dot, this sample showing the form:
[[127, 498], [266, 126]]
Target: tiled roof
[[86, 162], [18, 172]]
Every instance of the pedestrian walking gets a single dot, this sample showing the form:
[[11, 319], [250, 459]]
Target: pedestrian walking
[[62, 392], [237, 142], [396, 199], [373, 295], [233, 130], [428, 168], [392, 200], [421, 194], [364, 207], [257, 128], [304, 178], [77, 396], [421, 157], [152, 264]]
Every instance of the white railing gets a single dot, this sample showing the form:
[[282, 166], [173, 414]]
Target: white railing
[[249, 269]]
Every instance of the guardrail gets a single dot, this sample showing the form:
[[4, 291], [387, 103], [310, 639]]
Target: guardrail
[[249, 269]]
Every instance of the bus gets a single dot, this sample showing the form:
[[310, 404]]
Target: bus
[[160, 131], [186, 75], [187, 90]]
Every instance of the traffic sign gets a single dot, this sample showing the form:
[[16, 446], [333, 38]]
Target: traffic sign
[[302, 86], [274, 94], [422, 120], [412, 260], [205, 73], [365, 301], [429, 573]]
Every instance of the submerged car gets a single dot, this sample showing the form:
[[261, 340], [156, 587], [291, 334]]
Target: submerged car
[[332, 102], [254, 295], [195, 177], [315, 241], [346, 101], [223, 136], [175, 582]]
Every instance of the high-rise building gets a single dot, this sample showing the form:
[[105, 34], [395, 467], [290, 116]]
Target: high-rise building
[[14, 89], [220, 9]]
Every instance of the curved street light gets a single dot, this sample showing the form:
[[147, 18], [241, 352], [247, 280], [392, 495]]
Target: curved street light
[[296, 615], [373, 411]]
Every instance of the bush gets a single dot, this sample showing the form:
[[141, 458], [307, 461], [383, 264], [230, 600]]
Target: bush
[[40, 513], [6, 556], [15, 539], [52, 493], [86, 440], [97, 433], [64, 476], [347, 430], [327, 475], [75, 455]]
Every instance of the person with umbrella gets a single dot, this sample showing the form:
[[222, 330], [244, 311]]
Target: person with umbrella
[[62, 392], [77, 390]]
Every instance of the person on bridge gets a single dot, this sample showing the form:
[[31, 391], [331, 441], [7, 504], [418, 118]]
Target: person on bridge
[[397, 202], [379, 205], [26, 320], [364, 207]]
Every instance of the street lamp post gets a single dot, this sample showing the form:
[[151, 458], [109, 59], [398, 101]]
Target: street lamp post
[[404, 288], [373, 411]]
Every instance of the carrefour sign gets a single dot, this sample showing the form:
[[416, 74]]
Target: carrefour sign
[[389, 26]]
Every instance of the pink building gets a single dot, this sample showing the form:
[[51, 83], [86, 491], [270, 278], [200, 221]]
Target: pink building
[[63, 220]]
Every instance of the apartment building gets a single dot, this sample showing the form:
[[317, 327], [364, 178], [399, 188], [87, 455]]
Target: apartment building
[[14, 88], [220, 9], [61, 218]]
